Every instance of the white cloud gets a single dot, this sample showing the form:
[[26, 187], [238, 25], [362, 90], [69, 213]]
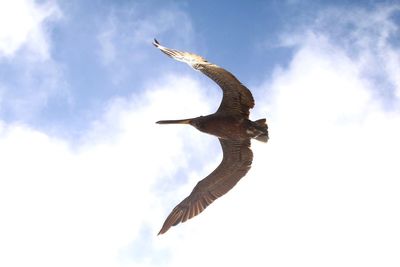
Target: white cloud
[[136, 28], [22, 25], [366, 36], [31, 76], [322, 192], [81, 206]]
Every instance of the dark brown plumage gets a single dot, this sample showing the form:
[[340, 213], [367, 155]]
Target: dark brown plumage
[[231, 124]]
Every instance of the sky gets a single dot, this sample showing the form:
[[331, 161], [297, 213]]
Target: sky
[[87, 178]]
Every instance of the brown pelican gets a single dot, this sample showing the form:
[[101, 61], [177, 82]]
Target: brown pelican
[[231, 124]]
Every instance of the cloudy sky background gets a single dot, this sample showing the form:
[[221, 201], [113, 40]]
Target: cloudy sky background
[[87, 178]]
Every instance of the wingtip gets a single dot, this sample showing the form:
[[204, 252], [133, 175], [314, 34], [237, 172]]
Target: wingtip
[[163, 230], [156, 43]]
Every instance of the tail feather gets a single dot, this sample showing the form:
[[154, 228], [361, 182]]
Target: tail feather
[[261, 122], [262, 138], [262, 126]]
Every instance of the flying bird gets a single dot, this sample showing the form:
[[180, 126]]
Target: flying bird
[[231, 124]]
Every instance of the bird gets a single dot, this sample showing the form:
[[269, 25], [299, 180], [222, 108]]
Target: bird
[[231, 124]]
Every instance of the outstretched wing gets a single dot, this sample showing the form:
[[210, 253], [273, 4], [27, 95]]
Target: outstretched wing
[[237, 99], [236, 162]]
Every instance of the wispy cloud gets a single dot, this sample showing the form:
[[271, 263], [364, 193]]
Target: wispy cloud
[[28, 31], [367, 36], [125, 37], [29, 75]]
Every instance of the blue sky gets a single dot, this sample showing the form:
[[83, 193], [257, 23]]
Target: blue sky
[[87, 178]]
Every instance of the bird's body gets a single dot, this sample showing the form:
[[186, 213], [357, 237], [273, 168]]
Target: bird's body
[[228, 126], [231, 124]]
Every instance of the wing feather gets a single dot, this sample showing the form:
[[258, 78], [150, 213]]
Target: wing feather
[[236, 162], [237, 98]]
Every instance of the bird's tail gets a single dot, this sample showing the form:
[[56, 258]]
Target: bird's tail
[[261, 127]]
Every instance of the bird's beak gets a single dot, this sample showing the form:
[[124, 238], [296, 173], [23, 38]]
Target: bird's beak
[[185, 121]]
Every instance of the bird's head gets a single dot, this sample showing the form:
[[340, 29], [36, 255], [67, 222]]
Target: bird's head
[[197, 122]]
